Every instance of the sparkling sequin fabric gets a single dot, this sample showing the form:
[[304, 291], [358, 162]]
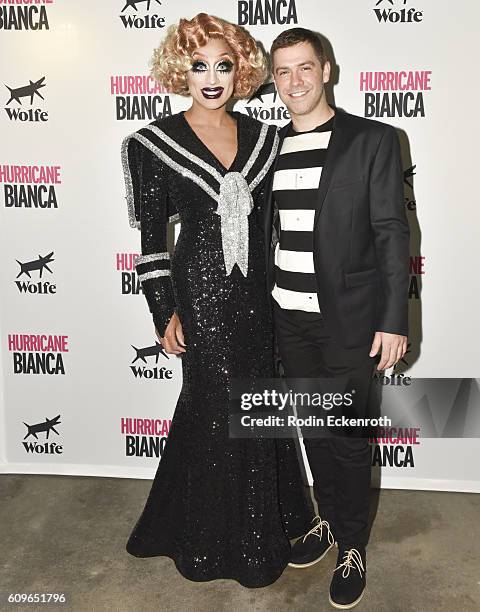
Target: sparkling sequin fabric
[[219, 507]]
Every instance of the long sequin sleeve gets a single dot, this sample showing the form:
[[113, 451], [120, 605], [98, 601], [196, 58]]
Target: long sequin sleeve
[[150, 207]]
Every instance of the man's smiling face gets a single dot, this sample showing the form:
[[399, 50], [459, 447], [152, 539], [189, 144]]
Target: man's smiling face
[[300, 78]]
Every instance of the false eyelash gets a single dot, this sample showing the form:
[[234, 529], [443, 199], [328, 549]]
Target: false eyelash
[[225, 66], [199, 66]]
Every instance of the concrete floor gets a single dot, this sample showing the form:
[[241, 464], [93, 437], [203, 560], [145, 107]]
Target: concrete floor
[[67, 534]]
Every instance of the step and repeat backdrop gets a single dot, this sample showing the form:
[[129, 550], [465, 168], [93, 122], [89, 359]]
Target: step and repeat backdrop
[[85, 387]]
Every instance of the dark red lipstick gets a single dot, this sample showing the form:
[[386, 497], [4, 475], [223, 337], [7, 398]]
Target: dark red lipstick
[[211, 93]]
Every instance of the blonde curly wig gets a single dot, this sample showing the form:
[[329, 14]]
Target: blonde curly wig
[[172, 59]]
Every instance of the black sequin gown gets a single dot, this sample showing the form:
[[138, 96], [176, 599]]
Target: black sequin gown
[[220, 507]]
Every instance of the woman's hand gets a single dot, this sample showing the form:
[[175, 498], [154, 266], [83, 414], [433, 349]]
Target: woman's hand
[[173, 341]]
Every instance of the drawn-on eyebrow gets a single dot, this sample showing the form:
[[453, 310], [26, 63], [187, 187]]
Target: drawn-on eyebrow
[[221, 55]]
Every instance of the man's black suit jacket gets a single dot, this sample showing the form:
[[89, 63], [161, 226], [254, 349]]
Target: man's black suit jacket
[[361, 233]]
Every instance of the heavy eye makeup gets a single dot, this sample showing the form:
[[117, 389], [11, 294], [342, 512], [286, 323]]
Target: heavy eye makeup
[[224, 66], [199, 66]]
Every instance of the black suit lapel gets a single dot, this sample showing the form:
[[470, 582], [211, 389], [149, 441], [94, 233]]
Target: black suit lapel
[[338, 142]]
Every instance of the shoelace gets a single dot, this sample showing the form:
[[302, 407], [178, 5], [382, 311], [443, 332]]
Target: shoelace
[[352, 559], [319, 527]]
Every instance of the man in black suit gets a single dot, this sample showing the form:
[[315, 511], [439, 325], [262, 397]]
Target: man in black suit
[[337, 250]]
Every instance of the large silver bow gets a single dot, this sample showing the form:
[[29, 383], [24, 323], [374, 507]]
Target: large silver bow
[[234, 205]]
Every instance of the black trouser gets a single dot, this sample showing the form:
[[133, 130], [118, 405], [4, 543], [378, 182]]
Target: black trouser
[[340, 466]]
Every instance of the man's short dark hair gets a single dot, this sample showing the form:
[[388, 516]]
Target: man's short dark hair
[[291, 37]]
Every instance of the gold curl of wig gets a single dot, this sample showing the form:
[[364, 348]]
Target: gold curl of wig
[[173, 58]]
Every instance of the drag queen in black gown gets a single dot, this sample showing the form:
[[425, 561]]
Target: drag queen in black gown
[[220, 507]]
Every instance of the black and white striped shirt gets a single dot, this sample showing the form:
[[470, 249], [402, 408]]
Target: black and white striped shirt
[[295, 188]]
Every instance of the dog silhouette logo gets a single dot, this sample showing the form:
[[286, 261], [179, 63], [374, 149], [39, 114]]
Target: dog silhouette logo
[[149, 351], [36, 264], [26, 90], [408, 174], [47, 426], [133, 4], [391, 2], [264, 90]]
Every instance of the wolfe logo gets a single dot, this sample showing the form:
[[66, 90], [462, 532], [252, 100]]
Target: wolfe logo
[[24, 15], [386, 11], [17, 94], [395, 380], [35, 265], [145, 437], [263, 12], [141, 354], [393, 446], [37, 353], [139, 97], [30, 186], [125, 264], [132, 19], [44, 427], [408, 175], [263, 105], [395, 94]]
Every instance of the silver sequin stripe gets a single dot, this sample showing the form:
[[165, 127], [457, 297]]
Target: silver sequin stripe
[[210, 169], [177, 167], [267, 165], [196, 179], [254, 154], [132, 220], [151, 257], [153, 274], [177, 147]]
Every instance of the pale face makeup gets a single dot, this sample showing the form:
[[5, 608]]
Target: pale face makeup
[[299, 78], [211, 79]]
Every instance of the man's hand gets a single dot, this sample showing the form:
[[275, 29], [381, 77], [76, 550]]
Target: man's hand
[[173, 342], [393, 346]]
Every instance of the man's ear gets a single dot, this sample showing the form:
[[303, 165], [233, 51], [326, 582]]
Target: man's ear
[[326, 72]]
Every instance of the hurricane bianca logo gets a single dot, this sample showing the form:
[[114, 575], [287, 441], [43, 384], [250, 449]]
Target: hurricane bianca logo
[[25, 282], [31, 91], [393, 446], [388, 11], [125, 264], [395, 94], [30, 186], [420, 409], [144, 437], [416, 269], [139, 98], [265, 105], [24, 14], [38, 353], [32, 443], [133, 19], [141, 355], [264, 12]]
